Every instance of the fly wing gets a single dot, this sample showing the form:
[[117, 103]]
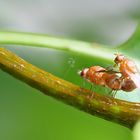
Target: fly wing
[[136, 79], [111, 70]]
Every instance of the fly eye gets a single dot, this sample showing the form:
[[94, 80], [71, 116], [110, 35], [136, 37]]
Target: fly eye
[[119, 58], [82, 73], [116, 60]]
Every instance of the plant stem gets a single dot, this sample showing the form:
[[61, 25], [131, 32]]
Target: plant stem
[[122, 112], [38, 40]]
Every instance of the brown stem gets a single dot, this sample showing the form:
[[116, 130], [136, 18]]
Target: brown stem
[[122, 112]]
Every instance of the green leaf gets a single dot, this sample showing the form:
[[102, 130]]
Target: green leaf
[[87, 53], [131, 48], [132, 45], [136, 131]]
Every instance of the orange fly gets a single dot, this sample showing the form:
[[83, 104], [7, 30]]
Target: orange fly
[[99, 76], [128, 69], [128, 80]]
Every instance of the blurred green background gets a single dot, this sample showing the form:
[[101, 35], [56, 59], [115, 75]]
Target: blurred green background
[[25, 113]]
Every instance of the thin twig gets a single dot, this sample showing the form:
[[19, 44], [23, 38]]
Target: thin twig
[[122, 112]]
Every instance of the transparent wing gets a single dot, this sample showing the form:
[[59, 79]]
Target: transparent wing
[[136, 79], [111, 70]]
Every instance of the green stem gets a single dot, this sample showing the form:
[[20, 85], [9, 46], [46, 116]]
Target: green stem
[[122, 112], [38, 40], [136, 131]]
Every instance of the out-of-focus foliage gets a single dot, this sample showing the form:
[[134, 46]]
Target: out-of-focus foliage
[[136, 134], [28, 114], [109, 22]]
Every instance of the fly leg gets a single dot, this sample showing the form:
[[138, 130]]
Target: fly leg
[[110, 92], [114, 93], [91, 94], [91, 86], [115, 65], [83, 83]]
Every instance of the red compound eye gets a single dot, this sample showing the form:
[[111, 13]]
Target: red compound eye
[[82, 73]]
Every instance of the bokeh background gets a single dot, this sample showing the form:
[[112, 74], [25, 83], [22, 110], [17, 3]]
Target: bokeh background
[[25, 113]]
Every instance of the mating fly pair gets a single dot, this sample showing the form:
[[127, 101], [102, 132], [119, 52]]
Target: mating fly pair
[[127, 78]]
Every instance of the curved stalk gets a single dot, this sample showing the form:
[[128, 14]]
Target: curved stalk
[[122, 112], [38, 40]]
